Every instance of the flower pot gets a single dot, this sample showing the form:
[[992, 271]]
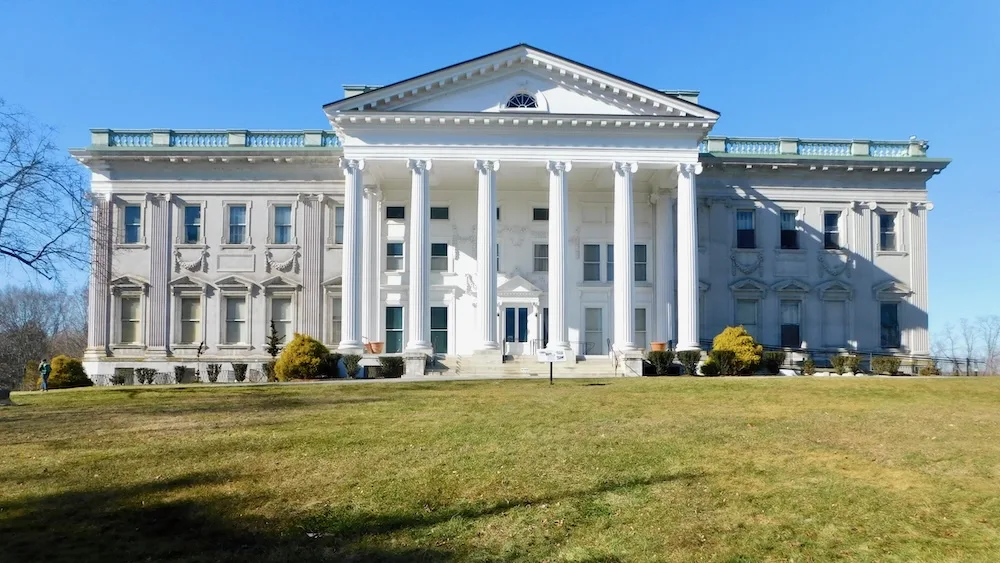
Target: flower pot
[[377, 347], [368, 348], [658, 346]]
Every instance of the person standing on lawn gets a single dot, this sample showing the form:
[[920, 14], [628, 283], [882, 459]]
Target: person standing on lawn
[[44, 369]]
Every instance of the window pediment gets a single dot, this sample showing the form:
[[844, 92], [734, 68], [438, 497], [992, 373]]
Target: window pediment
[[337, 281], [791, 286], [277, 283], [835, 290], [188, 283], [235, 283], [518, 286], [129, 283], [891, 290], [749, 287]]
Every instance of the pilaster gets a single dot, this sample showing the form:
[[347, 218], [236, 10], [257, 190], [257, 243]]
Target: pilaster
[[687, 256], [350, 341], [624, 286], [420, 259], [98, 298], [160, 253], [919, 343], [312, 264], [370, 274], [486, 257], [558, 218], [666, 266]]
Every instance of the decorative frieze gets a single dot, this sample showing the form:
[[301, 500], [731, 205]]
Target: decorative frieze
[[289, 265], [199, 264]]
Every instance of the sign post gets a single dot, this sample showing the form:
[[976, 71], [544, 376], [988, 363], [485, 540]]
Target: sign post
[[550, 357]]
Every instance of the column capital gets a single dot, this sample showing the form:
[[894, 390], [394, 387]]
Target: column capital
[[624, 167], [689, 168], [559, 166], [487, 166], [418, 165], [373, 191], [353, 164]]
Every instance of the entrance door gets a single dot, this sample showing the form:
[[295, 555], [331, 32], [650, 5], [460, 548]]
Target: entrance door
[[515, 322], [593, 331]]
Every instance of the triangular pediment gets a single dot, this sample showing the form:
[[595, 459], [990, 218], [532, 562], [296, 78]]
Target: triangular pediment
[[129, 281], [235, 282], [791, 286], [517, 286], [835, 290], [891, 289], [280, 282], [485, 84], [188, 282], [749, 285]]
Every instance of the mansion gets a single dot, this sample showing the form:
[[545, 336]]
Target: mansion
[[514, 202]]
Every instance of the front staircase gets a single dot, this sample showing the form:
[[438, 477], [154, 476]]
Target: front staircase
[[475, 366]]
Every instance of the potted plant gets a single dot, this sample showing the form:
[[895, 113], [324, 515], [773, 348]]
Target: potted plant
[[657, 346]]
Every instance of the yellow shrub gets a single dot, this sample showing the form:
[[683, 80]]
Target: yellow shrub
[[737, 340], [67, 372], [302, 358]]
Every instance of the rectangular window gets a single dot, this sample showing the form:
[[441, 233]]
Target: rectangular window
[[498, 213], [336, 319], [394, 257], [281, 316], [439, 329], [639, 253], [237, 224], [592, 262], [192, 224], [131, 316], [509, 324], [439, 213], [236, 320], [791, 318], [640, 328], [887, 231], [282, 224], [593, 331], [190, 320], [789, 231], [746, 316], [745, 234], [541, 258], [498, 257], [610, 273], [439, 257], [522, 324], [133, 224], [540, 213], [393, 330], [338, 225], [831, 230], [835, 324], [395, 212], [889, 313]]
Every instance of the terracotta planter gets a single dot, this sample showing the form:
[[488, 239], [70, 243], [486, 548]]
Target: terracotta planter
[[658, 346], [368, 348], [376, 347]]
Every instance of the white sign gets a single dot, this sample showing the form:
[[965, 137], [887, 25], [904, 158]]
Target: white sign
[[548, 356]]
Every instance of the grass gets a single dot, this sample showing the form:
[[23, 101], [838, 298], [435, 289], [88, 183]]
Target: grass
[[673, 469]]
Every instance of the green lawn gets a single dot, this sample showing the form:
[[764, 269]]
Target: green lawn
[[675, 469]]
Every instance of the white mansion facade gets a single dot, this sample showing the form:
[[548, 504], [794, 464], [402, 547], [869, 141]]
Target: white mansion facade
[[512, 202]]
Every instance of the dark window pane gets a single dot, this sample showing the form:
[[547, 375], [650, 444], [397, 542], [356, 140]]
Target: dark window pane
[[611, 263], [394, 249], [394, 342], [439, 341], [395, 212], [439, 213], [545, 326], [745, 238], [592, 272], [509, 324], [439, 318], [540, 213], [591, 253], [522, 324], [890, 325], [640, 272], [830, 221], [439, 249], [394, 318], [790, 336], [831, 241], [789, 239], [640, 253]]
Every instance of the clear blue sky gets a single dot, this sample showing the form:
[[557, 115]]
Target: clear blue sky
[[847, 69]]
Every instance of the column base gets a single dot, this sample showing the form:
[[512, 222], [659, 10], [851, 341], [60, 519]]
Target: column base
[[95, 354], [415, 364], [632, 363], [419, 347], [688, 347], [350, 347]]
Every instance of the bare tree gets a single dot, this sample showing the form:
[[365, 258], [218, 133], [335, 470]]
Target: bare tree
[[969, 338], [989, 334], [945, 345], [44, 211]]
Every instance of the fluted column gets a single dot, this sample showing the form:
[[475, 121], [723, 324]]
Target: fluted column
[[665, 266], [558, 217], [159, 274], [420, 257], [486, 254], [687, 256], [624, 290], [350, 341], [370, 274], [919, 345], [98, 310], [313, 250]]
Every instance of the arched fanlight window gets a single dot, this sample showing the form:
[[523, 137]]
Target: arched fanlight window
[[522, 100]]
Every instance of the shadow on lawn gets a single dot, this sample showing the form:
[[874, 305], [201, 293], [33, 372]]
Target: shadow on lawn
[[149, 522]]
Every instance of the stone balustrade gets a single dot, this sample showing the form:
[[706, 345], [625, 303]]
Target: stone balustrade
[[211, 139], [746, 146]]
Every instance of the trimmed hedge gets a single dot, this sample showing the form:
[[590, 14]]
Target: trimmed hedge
[[302, 358], [392, 366], [772, 362], [661, 361], [711, 368], [67, 373], [724, 361], [689, 359], [352, 364], [886, 365]]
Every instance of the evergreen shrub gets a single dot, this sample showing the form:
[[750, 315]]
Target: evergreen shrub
[[739, 341], [772, 361], [302, 358], [689, 359], [661, 361], [67, 373]]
